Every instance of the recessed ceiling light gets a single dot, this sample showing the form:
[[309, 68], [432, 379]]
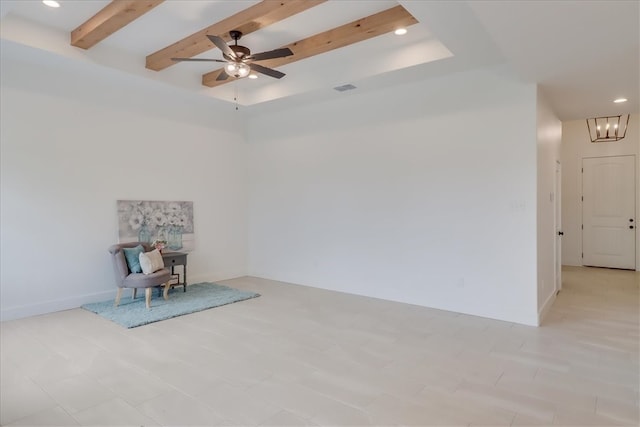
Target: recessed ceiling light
[[51, 3], [619, 100], [400, 32], [253, 76]]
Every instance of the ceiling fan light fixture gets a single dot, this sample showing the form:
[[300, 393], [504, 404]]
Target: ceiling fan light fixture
[[237, 69], [51, 3]]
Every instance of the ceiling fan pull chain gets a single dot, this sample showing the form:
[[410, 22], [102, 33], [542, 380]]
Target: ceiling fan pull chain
[[235, 95]]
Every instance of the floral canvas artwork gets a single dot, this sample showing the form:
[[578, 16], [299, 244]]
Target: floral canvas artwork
[[151, 221]]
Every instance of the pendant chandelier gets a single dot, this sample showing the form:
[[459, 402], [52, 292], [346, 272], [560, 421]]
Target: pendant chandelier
[[606, 129]]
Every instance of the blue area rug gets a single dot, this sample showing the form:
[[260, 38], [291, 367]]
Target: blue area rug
[[200, 296]]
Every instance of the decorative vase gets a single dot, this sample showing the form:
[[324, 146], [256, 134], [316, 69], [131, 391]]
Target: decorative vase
[[175, 238], [144, 234], [163, 233]]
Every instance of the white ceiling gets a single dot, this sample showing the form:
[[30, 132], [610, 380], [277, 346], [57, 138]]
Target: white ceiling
[[583, 54]]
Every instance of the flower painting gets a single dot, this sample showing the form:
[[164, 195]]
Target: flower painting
[[150, 221]]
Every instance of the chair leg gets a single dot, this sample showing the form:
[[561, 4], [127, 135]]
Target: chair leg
[[165, 294], [135, 292], [118, 295], [147, 297]]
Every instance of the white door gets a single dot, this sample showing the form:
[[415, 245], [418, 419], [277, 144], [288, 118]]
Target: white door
[[557, 198], [608, 212]]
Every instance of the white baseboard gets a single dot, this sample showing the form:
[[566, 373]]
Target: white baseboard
[[215, 277], [542, 313], [44, 307]]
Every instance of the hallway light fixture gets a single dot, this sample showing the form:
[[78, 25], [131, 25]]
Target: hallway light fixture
[[607, 129]]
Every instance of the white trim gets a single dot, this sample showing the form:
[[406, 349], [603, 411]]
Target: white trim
[[546, 307], [13, 313], [51, 306], [214, 277]]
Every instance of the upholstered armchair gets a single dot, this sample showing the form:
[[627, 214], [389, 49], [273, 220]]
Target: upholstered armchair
[[126, 279]]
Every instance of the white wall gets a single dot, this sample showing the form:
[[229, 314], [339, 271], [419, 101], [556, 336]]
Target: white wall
[[549, 137], [576, 145], [71, 147], [424, 193]]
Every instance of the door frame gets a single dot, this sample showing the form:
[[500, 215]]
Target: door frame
[[557, 207]]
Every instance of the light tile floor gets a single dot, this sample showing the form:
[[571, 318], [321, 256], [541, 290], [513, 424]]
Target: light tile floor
[[304, 356]]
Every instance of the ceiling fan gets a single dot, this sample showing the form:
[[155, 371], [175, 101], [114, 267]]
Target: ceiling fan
[[240, 62]]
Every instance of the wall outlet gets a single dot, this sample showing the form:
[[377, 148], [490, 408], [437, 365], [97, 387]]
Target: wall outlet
[[518, 205]]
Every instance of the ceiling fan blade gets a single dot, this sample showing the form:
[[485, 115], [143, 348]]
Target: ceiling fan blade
[[267, 71], [277, 53], [222, 76], [222, 45], [197, 60]]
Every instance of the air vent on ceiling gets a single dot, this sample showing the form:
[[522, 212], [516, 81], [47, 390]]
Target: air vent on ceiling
[[344, 87]]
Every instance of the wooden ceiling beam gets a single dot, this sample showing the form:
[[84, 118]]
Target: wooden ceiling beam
[[110, 19], [345, 35], [247, 21]]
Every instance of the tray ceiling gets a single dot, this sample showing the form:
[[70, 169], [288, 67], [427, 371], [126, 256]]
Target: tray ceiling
[[580, 63]]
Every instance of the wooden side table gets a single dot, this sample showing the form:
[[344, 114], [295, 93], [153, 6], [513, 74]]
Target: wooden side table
[[171, 259]]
